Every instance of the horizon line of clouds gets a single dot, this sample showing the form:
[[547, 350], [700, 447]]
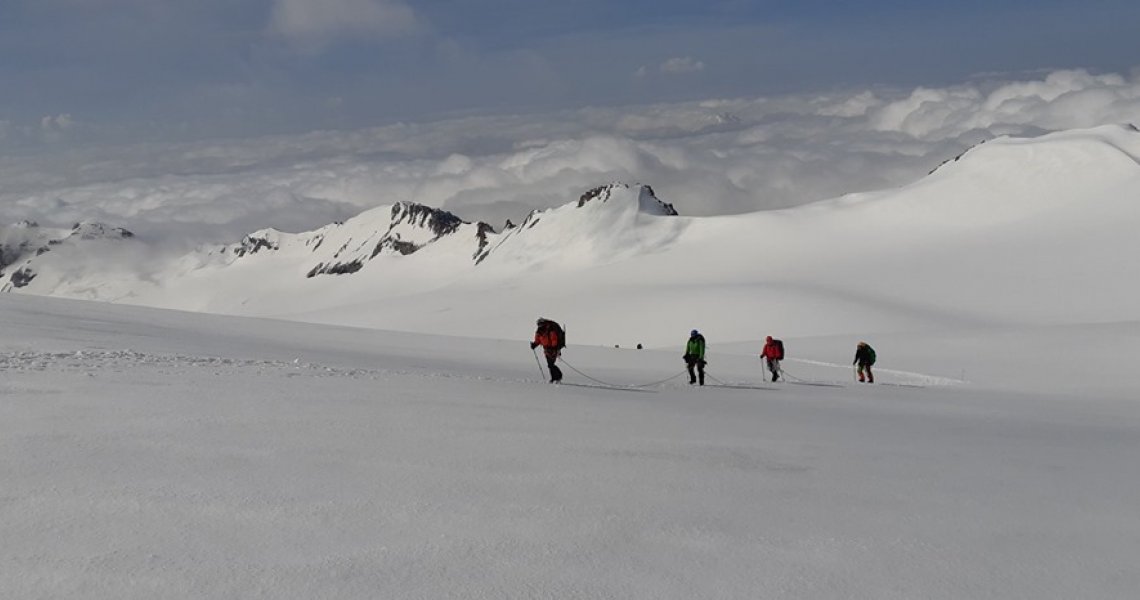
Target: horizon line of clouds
[[717, 156], [284, 66], [273, 66]]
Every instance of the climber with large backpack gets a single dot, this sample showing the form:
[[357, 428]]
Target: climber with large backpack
[[552, 338], [772, 354], [694, 357], [864, 357]]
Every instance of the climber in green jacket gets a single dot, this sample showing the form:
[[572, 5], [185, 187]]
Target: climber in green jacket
[[695, 357]]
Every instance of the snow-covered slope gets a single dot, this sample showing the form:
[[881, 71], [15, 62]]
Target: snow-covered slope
[[159, 454], [607, 224], [345, 248], [1015, 231], [23, 246]]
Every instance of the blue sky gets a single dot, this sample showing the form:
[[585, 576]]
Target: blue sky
[[165, 69]]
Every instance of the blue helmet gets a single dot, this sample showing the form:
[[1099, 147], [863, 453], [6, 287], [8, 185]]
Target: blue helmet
[[694, 332]]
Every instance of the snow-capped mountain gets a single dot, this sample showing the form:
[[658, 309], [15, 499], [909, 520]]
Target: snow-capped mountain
[[611, 213], [606, 224], [22, 245], [345, 248], [1015, 230], [403, 247]]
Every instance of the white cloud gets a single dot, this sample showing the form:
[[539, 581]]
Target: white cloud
[[680, 65], [61, 122], [709, 157], [53, 128], [314, 23], [1063, 99]]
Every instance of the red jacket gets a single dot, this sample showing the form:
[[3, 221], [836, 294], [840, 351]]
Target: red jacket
[[773, 350]]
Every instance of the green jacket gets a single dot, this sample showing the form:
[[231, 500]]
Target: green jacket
[[696, 347]]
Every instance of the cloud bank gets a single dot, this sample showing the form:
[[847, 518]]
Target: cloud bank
[[708, 158], [137, 70]]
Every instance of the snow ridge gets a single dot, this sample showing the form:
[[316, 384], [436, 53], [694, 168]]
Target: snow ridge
[[388, 235], [22, 243]]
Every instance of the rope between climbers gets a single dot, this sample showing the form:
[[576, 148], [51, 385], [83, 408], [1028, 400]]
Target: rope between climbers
[[618, 385]]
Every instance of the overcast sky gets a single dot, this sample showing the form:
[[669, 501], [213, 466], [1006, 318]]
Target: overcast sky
[[111, 70]]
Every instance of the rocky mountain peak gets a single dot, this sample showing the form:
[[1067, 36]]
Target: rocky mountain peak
[[265, 239], [647, 199], [438, 221], [91, 230]]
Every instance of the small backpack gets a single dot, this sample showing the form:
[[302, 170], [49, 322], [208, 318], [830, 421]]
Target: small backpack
[[779, 349]]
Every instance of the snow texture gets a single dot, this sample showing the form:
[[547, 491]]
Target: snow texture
[[150, 453]]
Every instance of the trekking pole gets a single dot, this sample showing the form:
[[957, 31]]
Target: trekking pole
[[854, 373], [541, 373]]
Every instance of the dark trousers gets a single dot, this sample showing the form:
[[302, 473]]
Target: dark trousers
[[700, 366], [864, 367], [555, 372], [774, 367]]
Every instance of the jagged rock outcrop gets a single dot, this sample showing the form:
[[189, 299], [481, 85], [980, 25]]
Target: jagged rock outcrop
[[418, 218], [650, 202], [266, 239], [23, 277], [98, 231]]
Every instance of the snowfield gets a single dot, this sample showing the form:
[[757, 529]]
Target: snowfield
[[1016, 232], [157, 454], [149, 453]]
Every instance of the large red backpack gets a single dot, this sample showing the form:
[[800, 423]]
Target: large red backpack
[[553, 332], [779, 344]]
